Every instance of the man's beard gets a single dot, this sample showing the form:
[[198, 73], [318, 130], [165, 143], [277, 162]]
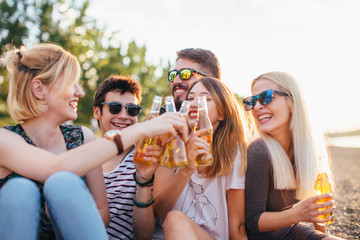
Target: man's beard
[[178, 103], [178, 100]]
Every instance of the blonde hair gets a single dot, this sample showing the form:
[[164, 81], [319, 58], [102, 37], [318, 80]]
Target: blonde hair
[[231, 135], [305, 142], [45, 62]]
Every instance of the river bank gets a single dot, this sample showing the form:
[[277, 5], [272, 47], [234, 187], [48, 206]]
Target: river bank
[[346, 168]]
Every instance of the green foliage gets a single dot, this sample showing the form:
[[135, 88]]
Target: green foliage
[[99, 51]]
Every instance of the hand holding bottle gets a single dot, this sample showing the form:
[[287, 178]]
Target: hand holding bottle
[[145, 173], [172, 123], [203, 122], [310, 209], [196, 146]]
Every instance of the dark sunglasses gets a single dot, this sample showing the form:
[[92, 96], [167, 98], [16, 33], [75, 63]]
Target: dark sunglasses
[[131, 109], [264, 98], [184, 74]]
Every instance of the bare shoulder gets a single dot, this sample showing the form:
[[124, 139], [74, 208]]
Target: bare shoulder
[[8, 137], [9, 142], [88, 134]]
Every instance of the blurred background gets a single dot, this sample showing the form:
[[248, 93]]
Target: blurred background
[[316, 41]]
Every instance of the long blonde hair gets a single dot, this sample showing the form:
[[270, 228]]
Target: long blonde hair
[[45, 62], [231, 135], [307, 145]]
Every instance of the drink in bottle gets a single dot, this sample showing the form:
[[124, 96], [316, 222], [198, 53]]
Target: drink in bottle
[[174, 153], [323, 185], [141, 145], [203, 122]]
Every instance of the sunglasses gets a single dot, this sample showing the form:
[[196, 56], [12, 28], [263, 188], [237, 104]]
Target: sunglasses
[[115, 107], [264, 98], [184, 74]]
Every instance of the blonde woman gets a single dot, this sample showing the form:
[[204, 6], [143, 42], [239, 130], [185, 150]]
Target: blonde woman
[[43, 154], [200, 202], [283, 164]]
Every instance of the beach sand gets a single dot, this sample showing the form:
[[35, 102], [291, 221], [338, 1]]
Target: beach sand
[[346, 168]]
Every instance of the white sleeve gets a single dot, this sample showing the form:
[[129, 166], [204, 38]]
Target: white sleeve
[[233, 179]]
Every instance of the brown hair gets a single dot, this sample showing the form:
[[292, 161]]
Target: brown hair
[[205, 58], [232, 133], [117, 83]]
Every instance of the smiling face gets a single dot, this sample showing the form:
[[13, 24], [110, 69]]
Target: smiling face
[[200, 90], [179, 88], [274, 118], [64, 105], [109, 121]]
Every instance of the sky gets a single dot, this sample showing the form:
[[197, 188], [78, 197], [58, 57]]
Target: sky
[[316, 41]]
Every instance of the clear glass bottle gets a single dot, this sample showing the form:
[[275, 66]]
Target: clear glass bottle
[[174, 152], [203, 122], [141, 145], [323, 185]]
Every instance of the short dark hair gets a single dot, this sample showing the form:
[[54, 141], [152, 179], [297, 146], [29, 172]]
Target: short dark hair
[[117, 83], [205, 58]]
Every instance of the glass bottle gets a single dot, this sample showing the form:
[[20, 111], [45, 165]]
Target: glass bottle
[[203, 122], [174, 153], [141, 144], [323, 185]]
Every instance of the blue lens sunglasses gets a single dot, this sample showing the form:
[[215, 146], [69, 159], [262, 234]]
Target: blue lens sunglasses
[[264, 98]]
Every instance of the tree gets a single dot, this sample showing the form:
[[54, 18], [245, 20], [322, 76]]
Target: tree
[[98, 50]]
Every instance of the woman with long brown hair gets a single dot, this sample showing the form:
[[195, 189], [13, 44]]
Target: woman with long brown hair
[[207, 202]]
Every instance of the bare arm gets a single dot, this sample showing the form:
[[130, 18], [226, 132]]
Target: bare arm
[[143, 219], [167, 189], [95, 183], [38, 164], [236, 212], [168, 186]]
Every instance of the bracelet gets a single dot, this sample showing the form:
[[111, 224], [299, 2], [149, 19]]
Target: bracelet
[[143, 205], [145, 184]]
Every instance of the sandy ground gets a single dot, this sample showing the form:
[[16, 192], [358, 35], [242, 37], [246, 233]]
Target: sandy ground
[[346, 168]]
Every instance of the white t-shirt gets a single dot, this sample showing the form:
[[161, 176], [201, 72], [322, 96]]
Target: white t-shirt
[[120, 190], [204, 201]]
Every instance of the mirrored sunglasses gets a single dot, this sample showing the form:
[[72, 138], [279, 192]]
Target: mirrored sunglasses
[[115, 107], [184, 74], [264, 98]]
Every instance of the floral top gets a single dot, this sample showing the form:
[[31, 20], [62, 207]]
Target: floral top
[[73, 136]]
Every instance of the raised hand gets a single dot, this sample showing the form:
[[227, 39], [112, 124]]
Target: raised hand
[[195, 145], [152, 154], [171, 123]]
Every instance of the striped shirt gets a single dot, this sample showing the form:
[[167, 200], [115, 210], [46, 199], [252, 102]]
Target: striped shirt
[[121, 189]]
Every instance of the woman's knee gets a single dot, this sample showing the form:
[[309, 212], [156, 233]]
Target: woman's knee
[[175, 219], [62, 178], [62, 181], [63, 187], [20, 191]]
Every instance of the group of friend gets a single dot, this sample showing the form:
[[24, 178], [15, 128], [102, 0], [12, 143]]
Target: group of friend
[[58, 181]]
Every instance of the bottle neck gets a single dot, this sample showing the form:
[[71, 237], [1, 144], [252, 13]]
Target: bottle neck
[[155, 107], [169, 104]]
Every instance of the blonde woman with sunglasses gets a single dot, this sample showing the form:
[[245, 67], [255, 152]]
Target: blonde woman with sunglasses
[[283, 164], [42, 159]]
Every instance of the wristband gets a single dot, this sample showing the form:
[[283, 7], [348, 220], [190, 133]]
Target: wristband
[[145, 184], [143, 205]]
